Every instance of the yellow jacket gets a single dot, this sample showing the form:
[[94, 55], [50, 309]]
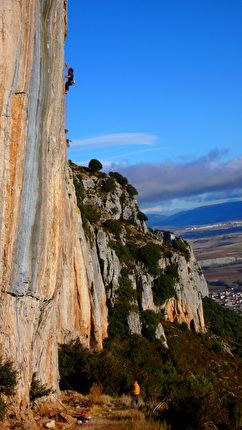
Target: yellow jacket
[[136, 389]]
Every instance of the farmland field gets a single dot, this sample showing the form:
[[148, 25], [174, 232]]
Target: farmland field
[[219, 251]]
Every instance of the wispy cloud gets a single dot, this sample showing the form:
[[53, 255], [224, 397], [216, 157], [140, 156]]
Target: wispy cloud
[[204, 178], [114, 140], [136, 152]]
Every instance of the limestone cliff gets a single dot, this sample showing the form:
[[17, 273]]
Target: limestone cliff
[[48, 290], [60, 268]]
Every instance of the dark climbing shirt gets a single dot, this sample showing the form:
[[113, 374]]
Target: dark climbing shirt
[[71, 78]]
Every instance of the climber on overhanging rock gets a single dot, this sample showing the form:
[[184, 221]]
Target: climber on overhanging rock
[[70, 78]]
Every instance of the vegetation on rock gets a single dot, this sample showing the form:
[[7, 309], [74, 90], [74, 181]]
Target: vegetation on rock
[[95, 165], [37, 389], [150, 254], [8, 381], [141, 216], [109, 185], [163, 288], [150, 320], [182, 246], [127, 253], [119, 178], [114, 226], [131, 190]]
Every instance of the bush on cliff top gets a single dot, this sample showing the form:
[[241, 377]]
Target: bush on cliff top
[[142, 217], [119, 178], [182, 246], [131, 190], [95, 165]]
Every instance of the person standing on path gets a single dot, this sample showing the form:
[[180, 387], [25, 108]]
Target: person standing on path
[[135, 392]]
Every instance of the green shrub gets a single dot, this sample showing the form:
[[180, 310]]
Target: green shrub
[[191, 406], [118, 316], [8, 381], [37, 389], [184, 326], [75, 365], [233, 404], [142, 217], [131, 190], [201, 336], [172, 271], [126, 253], [122, 200], [150, 320], [109, 185], [118, 320], [223, 321], [3, 409], [182, 246], [163, 288], [8, 377], [125, 272], [126, 292], [114, 226], [132, 248], [89, 212], [114, 210], [217, 347], [119, 178], [79, 189], [95, 165], [150, 254]]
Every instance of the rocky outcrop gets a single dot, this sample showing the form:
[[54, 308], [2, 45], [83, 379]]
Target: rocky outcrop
[[111, 246], [61, 267]]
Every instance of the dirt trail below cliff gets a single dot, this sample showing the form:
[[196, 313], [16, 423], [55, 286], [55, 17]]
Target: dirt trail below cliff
[[68, 412]]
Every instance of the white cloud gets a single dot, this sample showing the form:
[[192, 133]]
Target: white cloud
[[159, 183], [111, 140]]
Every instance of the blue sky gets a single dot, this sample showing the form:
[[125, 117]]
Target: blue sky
[[158, 96]]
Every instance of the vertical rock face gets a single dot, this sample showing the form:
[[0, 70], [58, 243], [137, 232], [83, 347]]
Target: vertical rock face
[[47, 288]]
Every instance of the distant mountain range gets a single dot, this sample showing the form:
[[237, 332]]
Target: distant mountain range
[[224, 212]]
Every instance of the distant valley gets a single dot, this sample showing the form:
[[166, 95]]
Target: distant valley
[[204, 215]]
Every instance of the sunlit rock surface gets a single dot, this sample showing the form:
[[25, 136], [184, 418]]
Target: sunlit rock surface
[[49, 288]]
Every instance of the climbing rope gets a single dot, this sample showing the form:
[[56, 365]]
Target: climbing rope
[[66, 110], [66, 382], [86, 403]]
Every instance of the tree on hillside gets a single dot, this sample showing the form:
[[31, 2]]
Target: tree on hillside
[[95, 165]]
